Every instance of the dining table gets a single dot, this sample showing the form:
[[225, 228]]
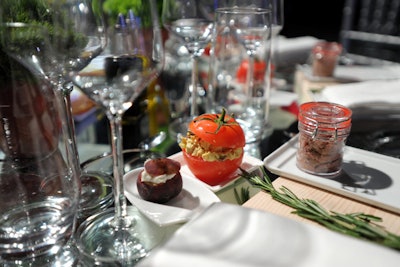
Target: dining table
[[282, 119]]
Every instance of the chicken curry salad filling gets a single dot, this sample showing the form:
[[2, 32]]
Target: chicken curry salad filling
[[197, 147]]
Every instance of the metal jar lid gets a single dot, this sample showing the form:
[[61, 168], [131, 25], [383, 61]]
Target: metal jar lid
[[317, 117]]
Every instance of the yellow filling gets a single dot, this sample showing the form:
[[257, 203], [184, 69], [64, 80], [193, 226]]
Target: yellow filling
[[195, 146]]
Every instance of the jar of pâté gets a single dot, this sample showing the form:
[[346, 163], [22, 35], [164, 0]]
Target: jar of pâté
[[323, 131]]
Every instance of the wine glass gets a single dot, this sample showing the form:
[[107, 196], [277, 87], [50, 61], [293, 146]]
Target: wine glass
[[39, 178], [242, 38], [75, 34], [253, 29], [77, 37], [75, 31], [83, 18], [277, 23], [191, 22], [133, 58], [277, 20]]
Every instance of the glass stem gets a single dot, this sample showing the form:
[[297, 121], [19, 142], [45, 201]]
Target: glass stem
[[67, 124], [73, 156], [193, 108], [118, 170], [274, 52], [66, 93], [250, 79]]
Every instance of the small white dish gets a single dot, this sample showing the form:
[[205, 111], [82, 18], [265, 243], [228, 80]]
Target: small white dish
[[193, 199], [366, 176]]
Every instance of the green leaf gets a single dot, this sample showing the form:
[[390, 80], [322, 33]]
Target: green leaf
[[243, 196]]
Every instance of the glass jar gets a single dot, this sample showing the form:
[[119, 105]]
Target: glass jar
[[323, 131], [325, 57]]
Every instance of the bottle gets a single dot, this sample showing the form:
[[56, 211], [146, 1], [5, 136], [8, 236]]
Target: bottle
[[148, 117], [134, 122], [158, 108]]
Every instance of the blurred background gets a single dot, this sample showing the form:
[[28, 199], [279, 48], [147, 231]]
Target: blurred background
[[321, 19]]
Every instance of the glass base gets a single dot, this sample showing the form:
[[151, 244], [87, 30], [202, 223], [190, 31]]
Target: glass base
[[253, 129], [326, 174], [133, 158], [67, 256], [179, 127], [253, 149], [96, 193], [103, 242]]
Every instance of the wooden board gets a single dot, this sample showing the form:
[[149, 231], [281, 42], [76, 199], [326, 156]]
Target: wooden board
[[331, 201]]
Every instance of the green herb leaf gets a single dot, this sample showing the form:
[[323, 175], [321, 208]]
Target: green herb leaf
[[243, 196]]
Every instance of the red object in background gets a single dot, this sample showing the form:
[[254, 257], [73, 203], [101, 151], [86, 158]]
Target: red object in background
[[260, 67], [207, 50], [272, 70], [292, 108]]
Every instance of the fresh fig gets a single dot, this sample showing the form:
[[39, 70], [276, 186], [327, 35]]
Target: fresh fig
[[164, 191], [160, 166]]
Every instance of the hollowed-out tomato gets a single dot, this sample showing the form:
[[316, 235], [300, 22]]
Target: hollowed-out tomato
[[222, 133], [213, 172]]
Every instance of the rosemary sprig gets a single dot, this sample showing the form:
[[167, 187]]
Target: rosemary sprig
[[243, 196], [358, 225]]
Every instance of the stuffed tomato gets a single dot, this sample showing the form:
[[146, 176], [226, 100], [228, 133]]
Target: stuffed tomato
[[213, 147]]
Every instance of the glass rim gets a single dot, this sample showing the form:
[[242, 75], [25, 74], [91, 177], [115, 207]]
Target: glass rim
[[325, 115], [324, 47], [245, 10], [108, 154]]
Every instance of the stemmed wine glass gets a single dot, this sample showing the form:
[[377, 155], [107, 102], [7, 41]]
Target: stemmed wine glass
[[73, 52], [242, 35], [83, 18], [277, 22], [191, 21], [277, 19], [75, 34], [133, 58], [253, 30]]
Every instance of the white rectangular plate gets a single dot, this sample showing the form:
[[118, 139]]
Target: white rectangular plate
[[366, 176]]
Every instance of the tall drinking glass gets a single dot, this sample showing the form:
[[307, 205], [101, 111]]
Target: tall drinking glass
[[239, 67], [39, 183], [134, 58]]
